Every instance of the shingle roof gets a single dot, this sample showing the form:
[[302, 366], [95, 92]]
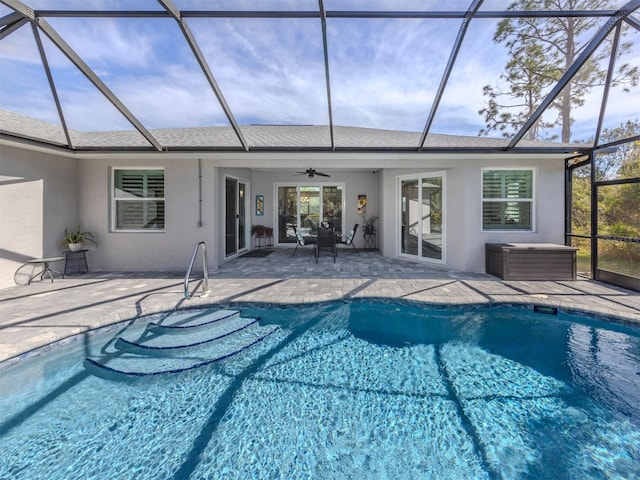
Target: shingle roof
[[289, 137], [30, 127]]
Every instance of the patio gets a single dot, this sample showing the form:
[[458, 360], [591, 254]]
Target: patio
[[45, 312]]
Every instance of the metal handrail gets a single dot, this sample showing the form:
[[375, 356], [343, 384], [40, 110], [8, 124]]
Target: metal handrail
[[205, 281]]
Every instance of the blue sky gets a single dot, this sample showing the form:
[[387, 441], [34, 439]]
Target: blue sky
[[384, 72]]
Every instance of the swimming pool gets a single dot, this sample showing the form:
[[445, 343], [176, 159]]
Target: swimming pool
[[343, 390]]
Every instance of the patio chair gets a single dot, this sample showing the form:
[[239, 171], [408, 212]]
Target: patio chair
[[327, 240], [348, 240], [300, 240], [310, 224]]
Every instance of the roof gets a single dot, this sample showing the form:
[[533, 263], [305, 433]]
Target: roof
[[261, 137]]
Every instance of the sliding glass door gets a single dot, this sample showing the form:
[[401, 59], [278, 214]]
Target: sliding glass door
[[306, 207], [235, 216], [421, 216]]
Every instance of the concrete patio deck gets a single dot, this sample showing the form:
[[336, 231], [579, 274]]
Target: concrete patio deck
[[46, 312]]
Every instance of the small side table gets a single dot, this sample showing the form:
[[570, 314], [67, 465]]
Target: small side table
[[264, 240], [370, 241], [46, 268], [76, 262]]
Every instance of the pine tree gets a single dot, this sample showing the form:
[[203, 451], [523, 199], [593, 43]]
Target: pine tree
[[541, 49]]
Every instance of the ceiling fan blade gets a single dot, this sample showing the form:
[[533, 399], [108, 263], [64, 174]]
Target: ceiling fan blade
[[311, 172]]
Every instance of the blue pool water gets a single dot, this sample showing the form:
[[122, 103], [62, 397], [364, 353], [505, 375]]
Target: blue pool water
[[346, 390]]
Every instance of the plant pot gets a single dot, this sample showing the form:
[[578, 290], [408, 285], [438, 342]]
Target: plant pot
[[74, 247]]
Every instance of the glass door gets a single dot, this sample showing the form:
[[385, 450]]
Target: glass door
[[309, 210], [409, 216], [306, 207], [235, 216], [287, 213], [242, 216], [332, 207], [421, 216]]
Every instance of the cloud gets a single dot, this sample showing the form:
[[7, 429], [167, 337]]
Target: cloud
[[111, 43], [385, 72], [172, 98], [271, 71], [15, 46]]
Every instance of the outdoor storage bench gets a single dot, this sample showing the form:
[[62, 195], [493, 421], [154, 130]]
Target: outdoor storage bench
[[531, 261]]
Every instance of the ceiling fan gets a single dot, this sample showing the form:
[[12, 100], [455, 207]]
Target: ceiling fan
[[310, 172]]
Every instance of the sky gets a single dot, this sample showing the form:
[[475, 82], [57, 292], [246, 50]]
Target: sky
[[384, 73]]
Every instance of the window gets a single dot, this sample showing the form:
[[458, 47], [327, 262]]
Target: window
[[138, 199], [507, 200]]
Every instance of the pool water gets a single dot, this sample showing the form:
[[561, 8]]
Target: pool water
[[344, 390]]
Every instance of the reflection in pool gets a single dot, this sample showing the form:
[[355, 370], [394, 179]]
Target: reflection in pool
[[344, 390]]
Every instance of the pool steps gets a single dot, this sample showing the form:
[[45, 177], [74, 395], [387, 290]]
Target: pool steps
[[192, 323], [164, 344], [186, 343]]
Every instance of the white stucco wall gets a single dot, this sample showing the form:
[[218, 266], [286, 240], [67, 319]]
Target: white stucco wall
[[548, 215], [149, 251], [170, 250], [38, 200], [43, 192], [465, 240]]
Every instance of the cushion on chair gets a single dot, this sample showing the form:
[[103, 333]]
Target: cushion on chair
[[349, 238]]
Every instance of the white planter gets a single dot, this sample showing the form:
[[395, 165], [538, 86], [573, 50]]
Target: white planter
[[74, 247]]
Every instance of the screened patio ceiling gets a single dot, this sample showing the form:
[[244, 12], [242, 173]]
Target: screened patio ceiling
[[343, 75]]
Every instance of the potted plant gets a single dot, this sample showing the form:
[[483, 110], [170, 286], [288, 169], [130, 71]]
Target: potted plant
[[258, 230], [74, 240]]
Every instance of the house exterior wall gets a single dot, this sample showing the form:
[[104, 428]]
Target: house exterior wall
[[465, 239], [150, 251], [549, 212], [42, 193], [38, 199], [362, 183]]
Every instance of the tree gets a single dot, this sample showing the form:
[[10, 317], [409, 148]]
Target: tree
[[541, 49], [624, 162], [581, 201], [618, 204]]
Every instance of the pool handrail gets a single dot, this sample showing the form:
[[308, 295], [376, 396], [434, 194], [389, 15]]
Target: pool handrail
[[205, 280]]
